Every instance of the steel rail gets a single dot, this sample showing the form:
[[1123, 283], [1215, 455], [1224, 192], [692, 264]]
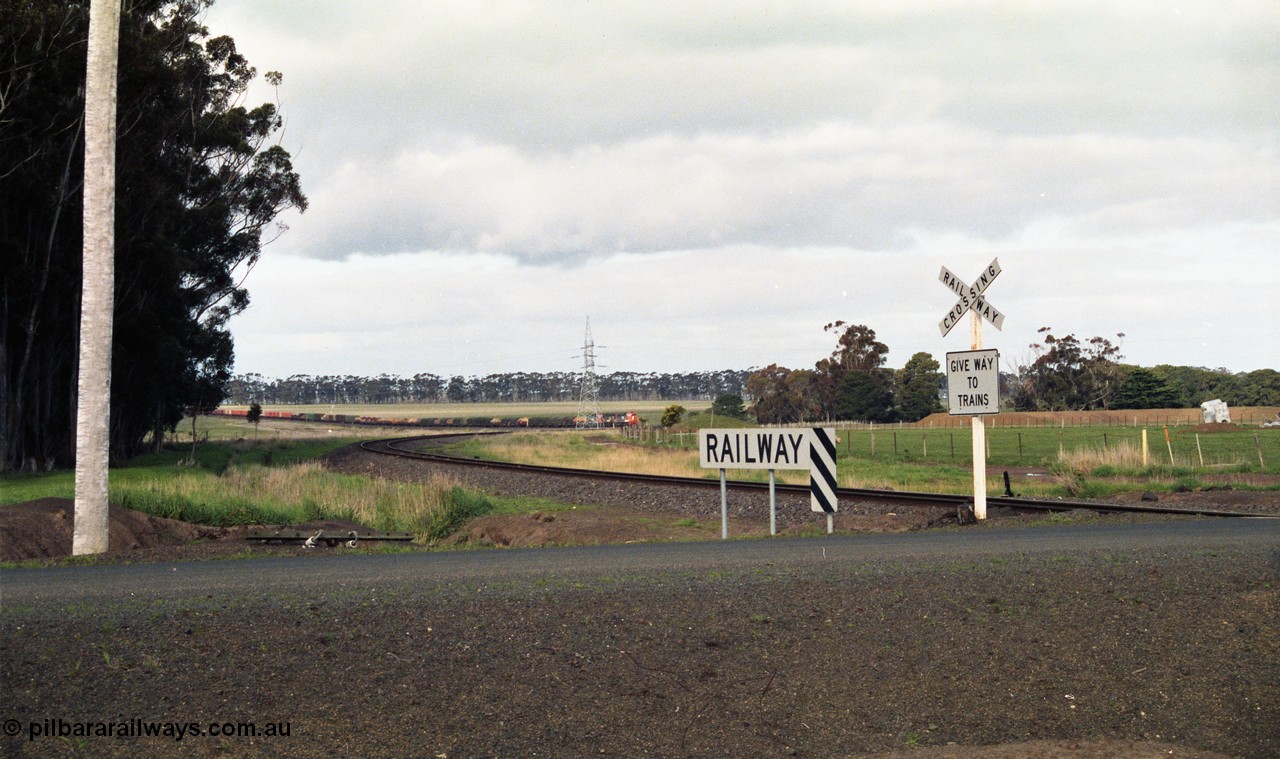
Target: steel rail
[[398, 447]]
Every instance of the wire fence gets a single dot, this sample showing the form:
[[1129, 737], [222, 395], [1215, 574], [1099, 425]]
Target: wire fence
[[1146, 442]]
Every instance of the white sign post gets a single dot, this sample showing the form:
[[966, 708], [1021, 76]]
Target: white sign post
[[973, 298], [772, 449]]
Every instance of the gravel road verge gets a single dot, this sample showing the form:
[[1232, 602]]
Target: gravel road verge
[[1172, 653]]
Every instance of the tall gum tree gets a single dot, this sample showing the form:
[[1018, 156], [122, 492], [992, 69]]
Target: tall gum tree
[[93, 409], [199, 179]]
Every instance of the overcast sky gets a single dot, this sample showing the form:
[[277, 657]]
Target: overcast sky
[[712, 182]]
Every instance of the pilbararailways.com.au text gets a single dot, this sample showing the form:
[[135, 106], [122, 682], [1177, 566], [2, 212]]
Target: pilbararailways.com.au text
[[140, 728]]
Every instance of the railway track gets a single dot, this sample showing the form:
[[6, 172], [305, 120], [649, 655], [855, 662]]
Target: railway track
[[411, 448]]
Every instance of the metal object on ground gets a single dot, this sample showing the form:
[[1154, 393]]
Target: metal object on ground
[[331, 538]]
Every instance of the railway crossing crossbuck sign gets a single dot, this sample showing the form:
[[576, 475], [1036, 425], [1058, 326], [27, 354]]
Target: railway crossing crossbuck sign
[[971, 297]]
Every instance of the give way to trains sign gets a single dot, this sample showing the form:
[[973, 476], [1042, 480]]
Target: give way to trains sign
[[973, 382]]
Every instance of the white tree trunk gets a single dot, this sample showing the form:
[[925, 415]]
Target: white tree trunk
[[93, 409]]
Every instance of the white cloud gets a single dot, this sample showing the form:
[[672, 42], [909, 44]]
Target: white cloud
[[830, 184], [783, 164]]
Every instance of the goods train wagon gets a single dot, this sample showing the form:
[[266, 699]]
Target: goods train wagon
[[627, 419]]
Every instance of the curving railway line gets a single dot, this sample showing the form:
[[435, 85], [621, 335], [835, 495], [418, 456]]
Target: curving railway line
[[411, 449]]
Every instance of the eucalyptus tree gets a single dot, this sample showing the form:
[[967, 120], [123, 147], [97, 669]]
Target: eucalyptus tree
[[200, 181], [1069, 375], [91, 523], [853, 383]]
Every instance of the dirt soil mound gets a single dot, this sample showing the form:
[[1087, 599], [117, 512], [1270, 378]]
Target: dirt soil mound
[[43, 529]]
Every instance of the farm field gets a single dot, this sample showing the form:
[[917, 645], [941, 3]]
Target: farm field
[[1077, 454], [1250, 416], [1044, 461], [651, 409]]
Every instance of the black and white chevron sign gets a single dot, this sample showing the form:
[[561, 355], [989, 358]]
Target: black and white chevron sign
[[822, 470]]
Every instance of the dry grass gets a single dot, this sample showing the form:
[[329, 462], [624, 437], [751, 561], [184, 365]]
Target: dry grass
[[596, 451], [1126, 456], [1121, 456], [293, 494], [609, 452]]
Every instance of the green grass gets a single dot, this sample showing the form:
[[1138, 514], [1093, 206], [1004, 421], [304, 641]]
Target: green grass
[[526, 505], [228, 484], [1091, 463], [1041, 446]]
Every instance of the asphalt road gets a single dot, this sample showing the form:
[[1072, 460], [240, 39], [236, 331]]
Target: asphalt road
[[327, 573]]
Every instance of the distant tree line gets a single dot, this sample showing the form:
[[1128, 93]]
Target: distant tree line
[[1068, 374], [1063, 374], [492, 388]]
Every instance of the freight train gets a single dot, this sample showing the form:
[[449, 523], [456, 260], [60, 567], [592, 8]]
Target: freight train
[[626, 419]]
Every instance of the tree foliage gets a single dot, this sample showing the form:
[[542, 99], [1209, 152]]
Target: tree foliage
[[851, 384], [1194, 385], [490, 388], [918, 388], [1143, 388], [1069, 375], [729, 404], [199, 181], [865, 396], [782, 395]]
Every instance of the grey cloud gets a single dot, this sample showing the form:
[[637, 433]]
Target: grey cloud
[[832, 185]]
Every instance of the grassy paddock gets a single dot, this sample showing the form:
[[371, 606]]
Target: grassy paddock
[[1077, 462], [1251, 416], [266, 482], [652, 410], [1249, 450], [285, 431]]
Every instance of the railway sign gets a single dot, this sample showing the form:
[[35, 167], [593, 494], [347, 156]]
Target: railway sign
[[973, 382], [754, 449], [813, 449], [971, 297]]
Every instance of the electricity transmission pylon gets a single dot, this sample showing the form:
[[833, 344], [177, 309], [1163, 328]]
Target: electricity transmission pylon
[[588, 400]]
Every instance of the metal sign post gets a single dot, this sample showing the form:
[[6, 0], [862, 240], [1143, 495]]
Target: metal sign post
[[724, 507]]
